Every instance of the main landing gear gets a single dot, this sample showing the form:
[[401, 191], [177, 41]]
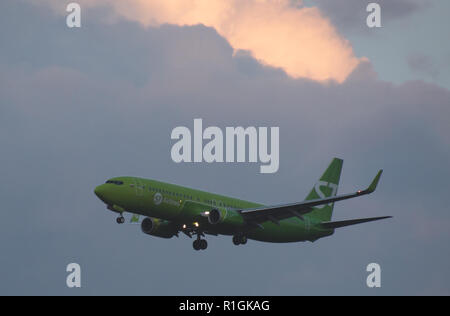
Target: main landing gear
[[199, 243], [239, 240]]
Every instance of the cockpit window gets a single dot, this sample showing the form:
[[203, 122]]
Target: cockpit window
[[115, 182]]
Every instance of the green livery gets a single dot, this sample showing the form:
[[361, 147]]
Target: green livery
[[169, 209]]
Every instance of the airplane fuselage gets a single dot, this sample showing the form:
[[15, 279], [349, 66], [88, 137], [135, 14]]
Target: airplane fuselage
[[186, 208]]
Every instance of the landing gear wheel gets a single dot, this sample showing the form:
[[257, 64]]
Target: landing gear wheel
[[200, 244], [203, 244], [120, 220], [239, 240], [196, 245]]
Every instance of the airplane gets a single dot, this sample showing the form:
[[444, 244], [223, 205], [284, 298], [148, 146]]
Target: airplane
[[170, 209]]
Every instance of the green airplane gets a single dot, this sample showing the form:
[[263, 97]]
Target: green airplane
[[170, 209]]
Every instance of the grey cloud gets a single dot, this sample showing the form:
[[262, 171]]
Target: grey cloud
[[350, 15], [103, 101], [423, 65]]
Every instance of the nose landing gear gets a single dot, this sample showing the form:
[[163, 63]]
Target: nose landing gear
[[120, 219]]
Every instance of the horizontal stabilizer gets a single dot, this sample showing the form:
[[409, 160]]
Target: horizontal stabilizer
[[332, 225]]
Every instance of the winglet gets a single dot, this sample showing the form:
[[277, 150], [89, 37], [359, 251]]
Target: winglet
[[374, 183]]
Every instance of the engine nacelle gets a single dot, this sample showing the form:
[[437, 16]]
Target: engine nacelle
[[158, 227], [225, 218]]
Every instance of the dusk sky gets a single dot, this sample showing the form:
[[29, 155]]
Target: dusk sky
[[81, 105]]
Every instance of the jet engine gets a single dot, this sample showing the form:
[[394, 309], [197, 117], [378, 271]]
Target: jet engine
[[158, 227], [225, 217]]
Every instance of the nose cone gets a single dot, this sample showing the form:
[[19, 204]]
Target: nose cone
[[100, 192]]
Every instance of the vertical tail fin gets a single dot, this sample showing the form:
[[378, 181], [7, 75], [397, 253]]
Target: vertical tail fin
[[327, 186]]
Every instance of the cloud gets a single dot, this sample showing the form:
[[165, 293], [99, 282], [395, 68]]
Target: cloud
[[300, 40], [423, 65], [351, 15]]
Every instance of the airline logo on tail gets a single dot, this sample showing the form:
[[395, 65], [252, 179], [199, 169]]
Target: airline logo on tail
[[318, 188]]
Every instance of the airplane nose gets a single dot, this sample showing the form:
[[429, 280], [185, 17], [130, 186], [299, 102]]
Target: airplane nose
[[100, 192]]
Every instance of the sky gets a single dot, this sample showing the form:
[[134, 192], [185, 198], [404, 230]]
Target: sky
[[79, 106], [408, 46]]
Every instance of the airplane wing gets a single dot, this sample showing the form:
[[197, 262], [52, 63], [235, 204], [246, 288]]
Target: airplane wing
[[278, 212]]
